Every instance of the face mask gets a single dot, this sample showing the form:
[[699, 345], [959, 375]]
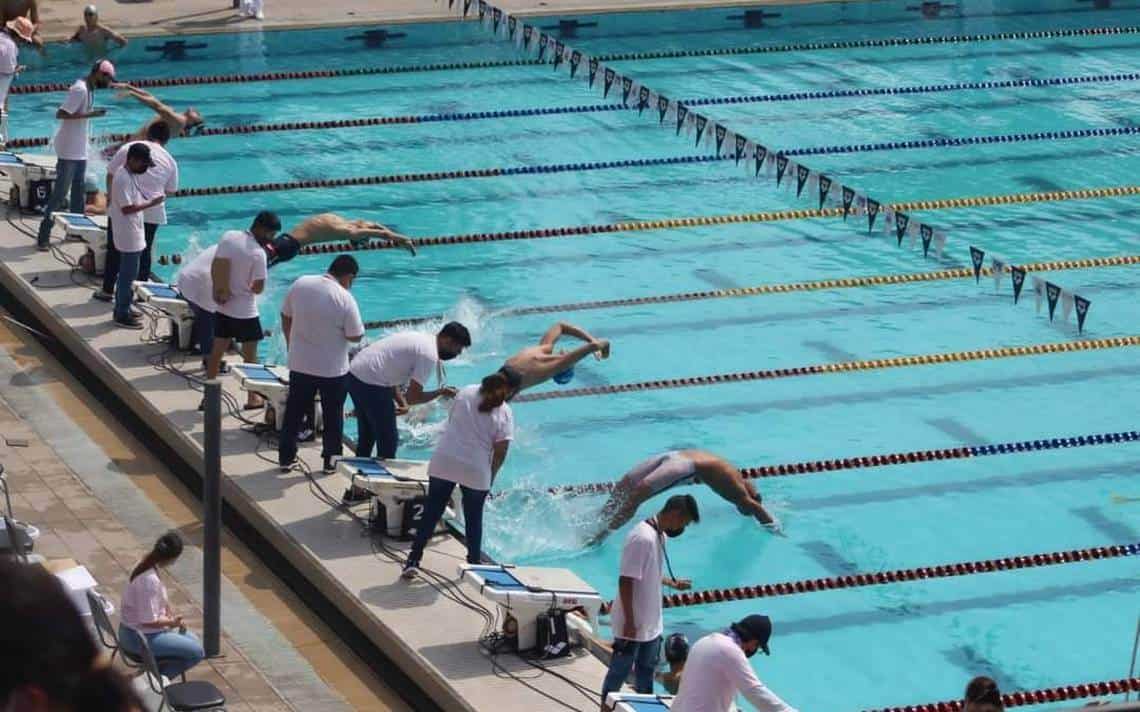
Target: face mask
[[674, 533], [447, 355], [753, 652]]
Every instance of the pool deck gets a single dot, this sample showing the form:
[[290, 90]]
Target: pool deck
[[61, 17], [431, 639]]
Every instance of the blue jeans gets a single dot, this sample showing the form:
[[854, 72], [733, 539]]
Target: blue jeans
[[641, 658], [375, 418], [439, 492], [111, 267], [175, 652], [128, 273], [203, 329], [303, 388], [69, 177]]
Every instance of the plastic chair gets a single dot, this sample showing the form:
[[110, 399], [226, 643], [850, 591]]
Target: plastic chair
[[185, 696], [106, 632]]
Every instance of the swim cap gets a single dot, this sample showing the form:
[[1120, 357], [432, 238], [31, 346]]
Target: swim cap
[[676, 648], [564, 377]]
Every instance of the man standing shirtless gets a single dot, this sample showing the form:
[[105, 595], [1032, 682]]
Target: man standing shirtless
[[537, 364], [330, 227], [682, 467]]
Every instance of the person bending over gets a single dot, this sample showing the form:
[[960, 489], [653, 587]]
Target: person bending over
[[681, 467], [537, 364]]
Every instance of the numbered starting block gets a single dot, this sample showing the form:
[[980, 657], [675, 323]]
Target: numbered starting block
[[31, 175], [400, 493], [89, 229], [535, 601], [629, 702], [272, 384], [176, 308]]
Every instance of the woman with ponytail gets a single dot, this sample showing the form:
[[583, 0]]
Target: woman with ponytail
[[146, 611], [51, 662], [470, 452]]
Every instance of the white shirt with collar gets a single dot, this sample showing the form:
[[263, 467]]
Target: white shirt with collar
[[161, 178], [716, 671], [325, 316], [642, 559]]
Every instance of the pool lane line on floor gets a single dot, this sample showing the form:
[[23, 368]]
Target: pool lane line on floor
[[549, 168], [879, 578], [591, 108], [612, 57], [1033, 697], [868, 461], [989, 354], [767, 289]]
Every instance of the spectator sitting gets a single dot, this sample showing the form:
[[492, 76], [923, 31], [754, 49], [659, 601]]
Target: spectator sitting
[[676, 653], [51, 662], [982, 695], [146, 611]]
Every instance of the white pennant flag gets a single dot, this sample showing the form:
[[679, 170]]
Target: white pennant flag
[[999, 266], [1038, 290], [1067, 304], [888, 220], [912, 230], [939, 244]]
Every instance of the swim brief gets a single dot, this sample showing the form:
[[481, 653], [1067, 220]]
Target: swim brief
[[662, 472]]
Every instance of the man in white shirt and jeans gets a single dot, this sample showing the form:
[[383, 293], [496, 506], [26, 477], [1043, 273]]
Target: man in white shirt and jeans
[[320, 319], [636, 617], [717, 670], [162, 177], [71, 145], [127, 203], [237, 276]]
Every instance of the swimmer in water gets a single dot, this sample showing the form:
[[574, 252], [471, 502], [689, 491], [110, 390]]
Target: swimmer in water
[[682, 467], [94, 35], [181, 123], [537, 364], [330, 227]]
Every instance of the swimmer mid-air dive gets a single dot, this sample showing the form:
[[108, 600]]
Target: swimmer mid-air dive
[[181, 123], [679, 467], [537, 364], [330, 227]]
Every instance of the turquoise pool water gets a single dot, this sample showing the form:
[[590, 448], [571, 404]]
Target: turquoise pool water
[[878, 646]]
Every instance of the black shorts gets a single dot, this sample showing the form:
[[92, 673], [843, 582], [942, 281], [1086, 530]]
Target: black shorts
[[243, 330]]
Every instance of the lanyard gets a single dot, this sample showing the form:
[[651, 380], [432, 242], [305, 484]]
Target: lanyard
[[652, 521]]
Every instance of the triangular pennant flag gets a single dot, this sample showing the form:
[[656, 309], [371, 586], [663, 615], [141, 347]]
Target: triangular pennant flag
[[999, 268], [497, 17], [939, 244], [802, 174], [466, 7], [720, 133], [1066, 304], [512, 26], [593, 70], [977, 257], [824, 189], [901, 222], [528, 34], [682, 112], [927, 233], [450, 4], [781, 166], [642, 99], [1082, 306], [662, 108], [701, 122], [482, 10], [626, 88], [575, 60], [741, 141], [1017, 276], [1052, 293], [760, 155], [1038, 291], [872, 213], [848, 198], [543, 40], [608, 81], [559, 51]]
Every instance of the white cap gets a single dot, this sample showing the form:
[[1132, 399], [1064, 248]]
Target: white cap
[[90, 10]]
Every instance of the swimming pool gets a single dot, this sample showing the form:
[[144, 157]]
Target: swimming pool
[[877, 646]]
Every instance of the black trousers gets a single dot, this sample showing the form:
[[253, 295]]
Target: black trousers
[[111, 269]]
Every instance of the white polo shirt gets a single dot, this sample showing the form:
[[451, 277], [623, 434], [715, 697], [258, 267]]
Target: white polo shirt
[[9, 60], [71, 136], [195, 282], [715, 672], [464, 452], [397, 360], [642, 558], [325, 316], [162, 177], [127, 229], [248, 264]]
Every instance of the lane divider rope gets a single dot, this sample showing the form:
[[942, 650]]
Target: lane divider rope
[[766, 289], [1034, 697], [879, 578], [549, 168], [712, 220], [591, 108], [1000, 352], [885, 460]]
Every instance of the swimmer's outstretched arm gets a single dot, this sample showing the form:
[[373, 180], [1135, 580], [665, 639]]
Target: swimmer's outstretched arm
[[148, 100], [381, 232]]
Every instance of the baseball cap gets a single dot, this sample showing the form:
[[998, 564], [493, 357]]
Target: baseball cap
[[755, 627], [140, 151], [106, 67]]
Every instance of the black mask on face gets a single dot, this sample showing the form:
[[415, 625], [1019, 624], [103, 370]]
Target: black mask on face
[[754, 650], [448, 355], [674, 533]]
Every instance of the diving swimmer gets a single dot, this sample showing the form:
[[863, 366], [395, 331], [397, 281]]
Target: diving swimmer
[[330, 227], [681, 467], [181, 123], [537, 364]]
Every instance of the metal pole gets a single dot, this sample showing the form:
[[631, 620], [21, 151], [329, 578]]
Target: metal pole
[[212, 521]]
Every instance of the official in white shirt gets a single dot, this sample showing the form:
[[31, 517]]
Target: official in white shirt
[[127, 202], [11, 34], [636, 617], [470, 452], [319, 318], [718, 669], [237, 276], [71, 144], [161, 177]]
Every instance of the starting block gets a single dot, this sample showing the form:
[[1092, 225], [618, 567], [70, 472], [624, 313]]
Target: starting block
[[176, 307], [32, 177], [527, 592], [90, 229], [628, 702], [400, 493]]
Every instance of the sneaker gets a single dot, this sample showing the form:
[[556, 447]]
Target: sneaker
[[102, 296], [353, 495], [128, 323], [329, 466], [289, 467], [307, 435], [43, 248], [411, 571]]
